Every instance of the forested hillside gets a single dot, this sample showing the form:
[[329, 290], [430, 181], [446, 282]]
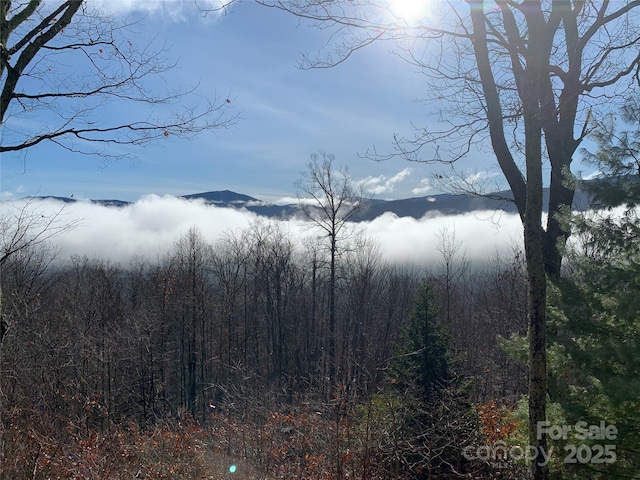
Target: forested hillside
[[233, 328]]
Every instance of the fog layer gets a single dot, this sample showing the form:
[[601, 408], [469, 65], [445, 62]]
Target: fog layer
[[151, 226]]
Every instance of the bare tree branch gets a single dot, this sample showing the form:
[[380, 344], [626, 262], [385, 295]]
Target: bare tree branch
[[63, 67], [24, 225]]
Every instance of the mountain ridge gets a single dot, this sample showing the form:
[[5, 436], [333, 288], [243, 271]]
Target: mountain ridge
[[442, 204]]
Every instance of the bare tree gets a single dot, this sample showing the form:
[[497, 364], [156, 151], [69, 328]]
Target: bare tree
[[329, 199], [64, 64], [24, 226], [525, 77], [452, 270]]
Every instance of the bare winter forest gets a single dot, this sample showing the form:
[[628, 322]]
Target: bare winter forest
[[220, 349]]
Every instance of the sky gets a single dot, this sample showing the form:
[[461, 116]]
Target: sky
[[251, 56]]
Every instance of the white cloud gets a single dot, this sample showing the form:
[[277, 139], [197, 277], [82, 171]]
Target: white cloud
[[253, 203], [8, 194], [291, 201], [401, 175], [383, 183], [151, 226], [473, 178], [297, 201], [425, 186]]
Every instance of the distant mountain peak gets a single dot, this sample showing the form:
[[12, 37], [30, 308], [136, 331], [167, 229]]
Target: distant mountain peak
[[221, 196]]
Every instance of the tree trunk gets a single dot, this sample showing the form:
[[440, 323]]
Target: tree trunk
[[332, 315], [532, 81], [527, 194], [533, 240]]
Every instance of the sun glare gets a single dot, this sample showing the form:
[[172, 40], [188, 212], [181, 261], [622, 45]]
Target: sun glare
[[409, 10]]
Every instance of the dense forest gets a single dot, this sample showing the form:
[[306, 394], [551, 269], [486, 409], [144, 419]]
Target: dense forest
[[237, 327]]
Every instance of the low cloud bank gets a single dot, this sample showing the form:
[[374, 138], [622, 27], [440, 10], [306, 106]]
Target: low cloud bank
[[481, 235], [151, 226]]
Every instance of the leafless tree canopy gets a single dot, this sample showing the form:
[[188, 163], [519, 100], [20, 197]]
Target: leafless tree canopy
[[327, 195], [64, 65], [25, 229]]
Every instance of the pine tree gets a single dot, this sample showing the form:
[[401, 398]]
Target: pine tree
[[422, 360], [597, 309], [433, 419]]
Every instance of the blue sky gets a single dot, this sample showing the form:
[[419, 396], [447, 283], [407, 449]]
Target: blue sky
[[285, 114]]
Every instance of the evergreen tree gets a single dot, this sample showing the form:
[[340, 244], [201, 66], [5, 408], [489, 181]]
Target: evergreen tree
[[597, 309], [422, 360], [433, 418]]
